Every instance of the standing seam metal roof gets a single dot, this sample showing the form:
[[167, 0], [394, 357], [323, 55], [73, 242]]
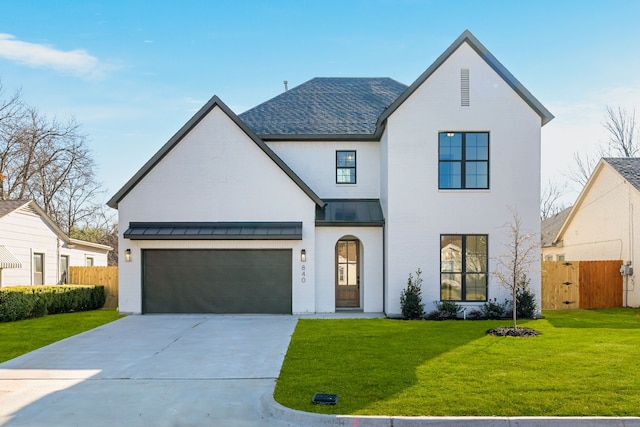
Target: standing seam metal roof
[[350, 212], [214, 231]]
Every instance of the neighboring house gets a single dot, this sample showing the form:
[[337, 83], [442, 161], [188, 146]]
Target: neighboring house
[[329, 195], [548, 231], [604, 223], [33, 249]]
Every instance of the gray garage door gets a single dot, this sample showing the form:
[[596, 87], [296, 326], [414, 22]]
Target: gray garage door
[[216, 281]]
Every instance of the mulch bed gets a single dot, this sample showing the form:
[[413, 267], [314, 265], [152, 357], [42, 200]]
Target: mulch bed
[[509, 331]]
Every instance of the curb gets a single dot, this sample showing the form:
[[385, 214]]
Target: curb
[[292, 417]]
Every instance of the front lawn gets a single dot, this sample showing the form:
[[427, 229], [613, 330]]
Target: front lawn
[[23, 336], [584, 363]]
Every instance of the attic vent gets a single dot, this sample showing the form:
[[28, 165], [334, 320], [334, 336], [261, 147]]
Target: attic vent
[[464, 87]]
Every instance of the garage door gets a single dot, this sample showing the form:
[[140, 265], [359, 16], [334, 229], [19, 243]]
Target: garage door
[[217, 281]]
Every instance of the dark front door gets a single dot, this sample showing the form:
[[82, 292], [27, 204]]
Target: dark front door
[[217, 281], [348, 273]]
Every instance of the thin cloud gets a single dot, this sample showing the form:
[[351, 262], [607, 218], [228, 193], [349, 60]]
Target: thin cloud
[[74, 62]]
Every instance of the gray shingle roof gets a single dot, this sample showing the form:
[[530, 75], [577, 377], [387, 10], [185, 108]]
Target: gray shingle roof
[[629, 168], [551, 226], [325, 106], [8, 206]]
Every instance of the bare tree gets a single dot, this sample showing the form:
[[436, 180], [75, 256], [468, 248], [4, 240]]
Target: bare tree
[[46, 160], [11, 115], [582, 168], [512, 266], [550, 203], [623, 141]]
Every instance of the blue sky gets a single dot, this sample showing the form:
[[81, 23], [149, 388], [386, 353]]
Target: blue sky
[[133, 72]]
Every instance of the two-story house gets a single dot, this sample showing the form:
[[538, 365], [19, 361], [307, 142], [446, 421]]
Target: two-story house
[[329, 195]]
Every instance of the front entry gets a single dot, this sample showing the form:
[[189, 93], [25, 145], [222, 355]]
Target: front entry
[[348, 273]]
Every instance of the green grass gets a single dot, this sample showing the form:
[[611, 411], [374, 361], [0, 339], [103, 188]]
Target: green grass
[[584, 363], [23, 336]]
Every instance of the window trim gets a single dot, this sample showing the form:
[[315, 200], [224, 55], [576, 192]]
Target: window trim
[[34, 265], [353, 168], [463, 161], [463, 273]]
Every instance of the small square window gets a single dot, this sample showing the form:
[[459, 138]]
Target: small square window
[[345, 167]]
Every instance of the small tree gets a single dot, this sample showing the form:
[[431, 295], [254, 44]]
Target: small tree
[[411, 298], [512, 266]]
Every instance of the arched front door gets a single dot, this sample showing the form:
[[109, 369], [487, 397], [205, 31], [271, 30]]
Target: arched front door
[[348, 273]]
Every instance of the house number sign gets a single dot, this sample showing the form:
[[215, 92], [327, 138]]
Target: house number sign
[[303, 274]]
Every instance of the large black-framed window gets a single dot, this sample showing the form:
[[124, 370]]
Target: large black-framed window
[[463, 160], [463, 267], [345, 167]]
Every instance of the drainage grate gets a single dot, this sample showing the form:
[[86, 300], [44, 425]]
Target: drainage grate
[[325, 398]]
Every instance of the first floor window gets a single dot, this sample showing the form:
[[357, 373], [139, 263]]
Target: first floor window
[[463, 267], [38, 269], [64, 269], [345, 167], [89, 261]]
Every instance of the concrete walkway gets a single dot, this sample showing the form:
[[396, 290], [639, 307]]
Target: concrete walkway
[[150, 371]]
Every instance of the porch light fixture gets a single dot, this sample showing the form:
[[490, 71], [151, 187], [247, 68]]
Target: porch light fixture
[[303, 255], [127, 255]]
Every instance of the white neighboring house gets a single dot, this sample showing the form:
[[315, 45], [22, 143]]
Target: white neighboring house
[[33, 249], [329, 195], [604, 223]]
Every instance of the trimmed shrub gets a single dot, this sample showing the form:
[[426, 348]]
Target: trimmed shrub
[[526, 306], [411, 298], [492, 309], [475, 315], [446, 310], [26, 302]]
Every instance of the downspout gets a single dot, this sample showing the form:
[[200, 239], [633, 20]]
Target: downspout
[[58, 264], [384, 269], [631, 250]]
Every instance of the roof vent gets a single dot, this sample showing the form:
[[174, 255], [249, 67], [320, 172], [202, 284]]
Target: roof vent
[[286, 88], [464, 87]]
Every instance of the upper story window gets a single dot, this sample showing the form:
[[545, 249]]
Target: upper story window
[[345, 167], [463, 160]]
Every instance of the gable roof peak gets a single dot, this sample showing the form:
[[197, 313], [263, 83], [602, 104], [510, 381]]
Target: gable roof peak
[[213, 103], [492, 61]]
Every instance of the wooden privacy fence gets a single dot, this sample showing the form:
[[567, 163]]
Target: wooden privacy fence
[[105, 276], [581, 284]]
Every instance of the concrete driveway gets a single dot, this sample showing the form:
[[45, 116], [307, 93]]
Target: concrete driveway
[[159, 370]]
